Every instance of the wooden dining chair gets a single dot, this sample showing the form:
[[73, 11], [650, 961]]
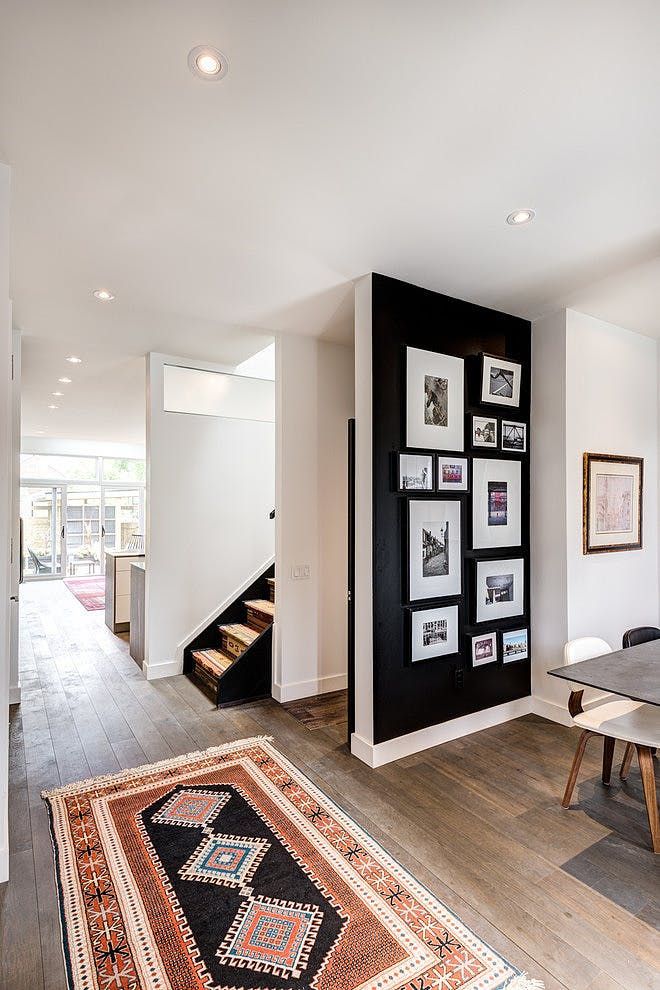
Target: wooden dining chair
[[630, 721]]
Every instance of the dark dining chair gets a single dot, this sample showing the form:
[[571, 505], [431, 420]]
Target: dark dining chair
[[635, 637], [639, 635]]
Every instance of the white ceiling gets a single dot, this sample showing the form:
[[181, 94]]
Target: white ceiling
[[347, 137]]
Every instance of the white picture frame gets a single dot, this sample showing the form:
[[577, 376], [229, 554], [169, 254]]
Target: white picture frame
[[515, 645], [496, 503], [415, 473], [484, 649], [500, 381], [500, 590], [484, 432], [513, 436], [433, 633], [434, 558], [434, 400], [452, 473]]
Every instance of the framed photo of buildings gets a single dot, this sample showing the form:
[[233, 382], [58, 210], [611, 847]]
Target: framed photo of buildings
[[434, 549], [415, 472], [500, 591], [484, 649], [515, 645], [500, 381], [496, 503], [434, 400], [433, 633], [452, 474], [612, 495]]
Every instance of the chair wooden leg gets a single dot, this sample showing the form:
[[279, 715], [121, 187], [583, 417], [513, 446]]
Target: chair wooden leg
[[648, 783], [577, 760], [608, 756], [627, 760]]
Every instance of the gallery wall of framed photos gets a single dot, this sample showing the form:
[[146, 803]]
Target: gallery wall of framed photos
[[451, 538]]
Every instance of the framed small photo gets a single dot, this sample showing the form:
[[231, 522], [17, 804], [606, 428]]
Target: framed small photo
[[484, 649], [496, 503], [415, 472], [484, 432], [500, 589], [514, 646], [514, 436], [612, 492], [452, 474], [434, 548], [500, 381], [433, 633], [434, 400]]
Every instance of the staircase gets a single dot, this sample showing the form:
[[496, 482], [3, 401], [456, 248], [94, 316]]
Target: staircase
[[231, 660]]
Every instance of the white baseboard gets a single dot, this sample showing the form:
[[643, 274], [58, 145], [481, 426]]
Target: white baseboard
[[307, 689], [376, 755], [551, 711], [4, 864], [15, 694], [169, 668]]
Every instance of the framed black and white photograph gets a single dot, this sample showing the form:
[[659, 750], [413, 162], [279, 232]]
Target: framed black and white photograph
[[500, 381], [415, 472], [500, 590], [452, 474], [434, 400], [612, 493], [484, 432], [484, 649], [433, 633], [514, 646], [434, 549], [514, 436], [496, 503]]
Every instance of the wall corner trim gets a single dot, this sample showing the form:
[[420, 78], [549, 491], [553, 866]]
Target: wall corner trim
[[15, 694], [414, 742], [169, 668]]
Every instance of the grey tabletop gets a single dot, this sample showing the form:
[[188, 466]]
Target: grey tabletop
[[633, 673]]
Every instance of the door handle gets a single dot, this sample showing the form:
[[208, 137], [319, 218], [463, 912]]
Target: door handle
[[62, 533]]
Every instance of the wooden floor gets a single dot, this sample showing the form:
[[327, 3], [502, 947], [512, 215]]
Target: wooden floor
[[571, 897]]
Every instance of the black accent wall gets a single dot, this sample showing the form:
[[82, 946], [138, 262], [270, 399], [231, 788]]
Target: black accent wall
[[408, 697]]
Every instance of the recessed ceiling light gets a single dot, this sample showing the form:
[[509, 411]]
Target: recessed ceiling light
[[57, 394], [519, 217], [72, 359], [65, 381], [51, 406], [207, 63], [103, 294]]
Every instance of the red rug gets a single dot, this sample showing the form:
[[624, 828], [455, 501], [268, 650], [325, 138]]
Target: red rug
[[230, 869], [90, 591]]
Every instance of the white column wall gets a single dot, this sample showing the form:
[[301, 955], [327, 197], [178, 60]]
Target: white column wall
[[210, 490], [5, 512], [594, 388], [314, 398]]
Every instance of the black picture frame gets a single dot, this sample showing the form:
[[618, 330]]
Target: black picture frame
[[405, 530], [396, 472], [485, 358], [410, 610]]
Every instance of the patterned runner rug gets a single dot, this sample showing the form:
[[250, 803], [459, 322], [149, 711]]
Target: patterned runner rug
[[90, 591], [229, 869]]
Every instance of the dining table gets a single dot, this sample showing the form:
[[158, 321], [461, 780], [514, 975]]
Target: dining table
[[632, 673]]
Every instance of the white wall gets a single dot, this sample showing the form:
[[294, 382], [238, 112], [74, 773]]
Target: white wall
[[15, 567], [606, 401], [314, 398], [210, 489], [5, 510]]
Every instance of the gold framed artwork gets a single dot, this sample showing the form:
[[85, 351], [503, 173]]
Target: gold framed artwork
[[612, 492]]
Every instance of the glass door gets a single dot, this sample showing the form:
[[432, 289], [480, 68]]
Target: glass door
[[83, 531], [123, 518], [41, 512]]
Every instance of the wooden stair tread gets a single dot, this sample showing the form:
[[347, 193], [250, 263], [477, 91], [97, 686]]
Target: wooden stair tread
[[238, 631], [261, 605], [213, 660], [270, 580]]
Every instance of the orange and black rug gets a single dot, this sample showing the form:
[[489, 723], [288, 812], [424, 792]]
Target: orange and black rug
[[229, 870]]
